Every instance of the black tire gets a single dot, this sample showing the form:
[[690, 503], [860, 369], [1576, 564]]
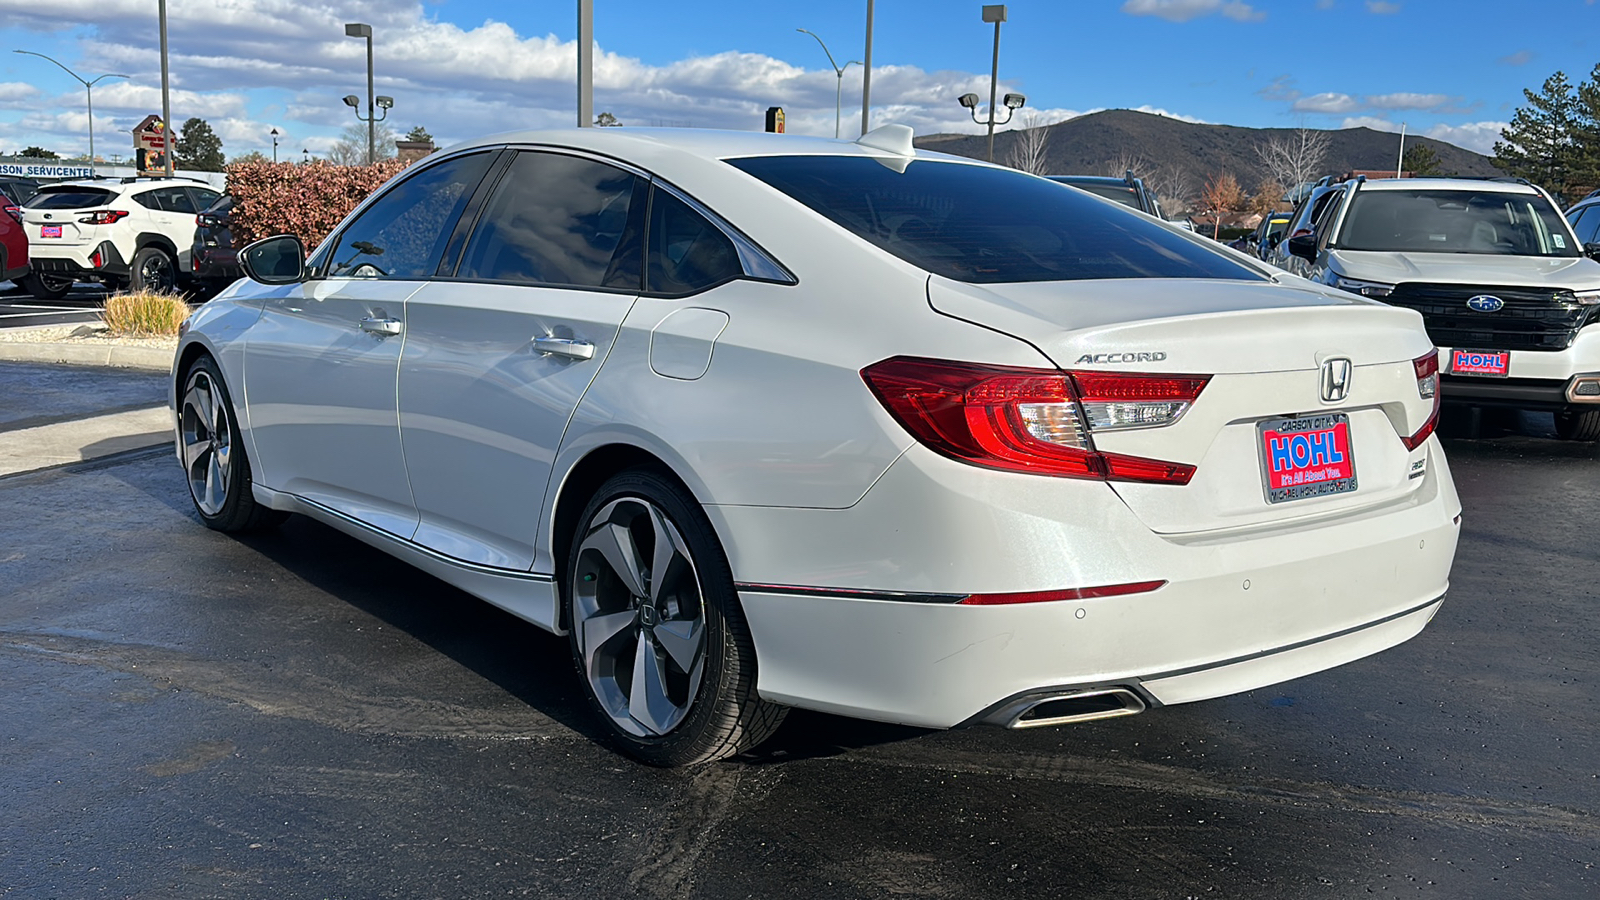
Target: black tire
[[47, 287], [153, 269], [699, 700], [1581, 424], [214, 462]]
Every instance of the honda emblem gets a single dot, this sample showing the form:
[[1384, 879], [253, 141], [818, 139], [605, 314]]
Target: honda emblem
[[1335, 379]]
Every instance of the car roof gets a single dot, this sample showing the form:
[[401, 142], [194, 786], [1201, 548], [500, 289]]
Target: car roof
[[1448, 184], [705, 143]]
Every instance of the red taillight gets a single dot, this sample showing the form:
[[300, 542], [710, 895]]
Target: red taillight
[[1021, 420], [95, 260], [14, 211], [1427, 369], [104, 217], [1108, 590]]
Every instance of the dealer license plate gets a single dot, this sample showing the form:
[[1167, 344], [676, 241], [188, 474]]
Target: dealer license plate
[[1496, 363], [49, 231], [1309, 456]]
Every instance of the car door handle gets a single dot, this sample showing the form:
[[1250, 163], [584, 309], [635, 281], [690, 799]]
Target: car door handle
[[374, 325], [567, 347]]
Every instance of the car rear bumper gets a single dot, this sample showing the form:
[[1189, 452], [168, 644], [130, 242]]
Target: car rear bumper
[[1239, 610], [80, 262]]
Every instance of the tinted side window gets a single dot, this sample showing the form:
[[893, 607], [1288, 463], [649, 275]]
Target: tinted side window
[[173, 199], [203, 197], [1587, 224], [148, 200], [687, 252], [403, 232], [560, 220]]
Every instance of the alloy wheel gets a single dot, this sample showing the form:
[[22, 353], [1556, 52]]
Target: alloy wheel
[[639, 617], [207, 443], [156, 273]]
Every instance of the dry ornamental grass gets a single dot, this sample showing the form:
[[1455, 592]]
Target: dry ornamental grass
[[145, 314]]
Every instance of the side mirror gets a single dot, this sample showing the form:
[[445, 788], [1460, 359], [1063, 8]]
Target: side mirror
[[275, 260], [1273, 240], [1303, 246], [1592, 250]]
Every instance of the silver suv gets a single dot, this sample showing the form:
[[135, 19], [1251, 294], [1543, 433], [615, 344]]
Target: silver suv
[[1507, 291], [135, 232]]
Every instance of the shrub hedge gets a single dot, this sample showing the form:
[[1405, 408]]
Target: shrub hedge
[[306, 200]]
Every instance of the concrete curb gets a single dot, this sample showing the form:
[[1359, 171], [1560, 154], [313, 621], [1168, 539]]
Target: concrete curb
[[150, 359], [117, 356]]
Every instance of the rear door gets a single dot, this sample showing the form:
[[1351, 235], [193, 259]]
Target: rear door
[[498, 356]]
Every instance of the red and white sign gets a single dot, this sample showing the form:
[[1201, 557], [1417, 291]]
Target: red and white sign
[[1480, 362], [1307, 457]]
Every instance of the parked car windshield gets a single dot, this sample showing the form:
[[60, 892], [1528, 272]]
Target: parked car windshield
[[987, 225], [69, 198], [1455, 221]]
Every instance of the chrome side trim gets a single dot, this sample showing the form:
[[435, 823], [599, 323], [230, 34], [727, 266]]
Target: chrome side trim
[[849, 593], [316, 509]]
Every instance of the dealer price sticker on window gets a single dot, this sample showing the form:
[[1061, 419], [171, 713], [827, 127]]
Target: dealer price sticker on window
[[1480, 362], [1309, 456]]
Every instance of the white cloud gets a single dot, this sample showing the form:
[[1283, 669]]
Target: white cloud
[[1327, 103], [1185, 10], [1475, 136], [1410, 101], [1373, 122], [1520, 58], [1381, 8]]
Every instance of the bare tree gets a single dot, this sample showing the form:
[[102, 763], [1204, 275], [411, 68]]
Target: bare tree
[[1220, 196], [1269, 193], [1129, 161], [351, 148], [1173, 184], [1027, 151], [1294, 158]]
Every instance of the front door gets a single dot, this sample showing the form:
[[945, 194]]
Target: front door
[[320, 366]]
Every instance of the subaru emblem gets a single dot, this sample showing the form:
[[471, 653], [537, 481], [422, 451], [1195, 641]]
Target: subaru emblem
[[1335, 379], [1485, 303]]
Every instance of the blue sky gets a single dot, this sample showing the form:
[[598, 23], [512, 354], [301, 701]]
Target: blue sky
[[1453, 70]]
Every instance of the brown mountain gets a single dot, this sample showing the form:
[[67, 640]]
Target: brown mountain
[[1102, 143]]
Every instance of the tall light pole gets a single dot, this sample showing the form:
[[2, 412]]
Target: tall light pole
[[995, 13], [866, 73], [838, 71], [1400, 164], [166, 95], [357, 29], [88, 89], [274, 145], [585, 63]]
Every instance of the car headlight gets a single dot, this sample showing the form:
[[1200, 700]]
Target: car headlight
[[1364, 288], [1587, 298]]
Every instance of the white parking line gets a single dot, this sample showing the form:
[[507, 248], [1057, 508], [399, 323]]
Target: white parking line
[[45, 311]]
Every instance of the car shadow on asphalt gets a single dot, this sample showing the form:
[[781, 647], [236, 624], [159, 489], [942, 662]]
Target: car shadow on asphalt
[[522, 659]]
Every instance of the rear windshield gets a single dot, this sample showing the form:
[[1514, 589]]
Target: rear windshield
[[988, 225], [1454, 221], [69, 198]]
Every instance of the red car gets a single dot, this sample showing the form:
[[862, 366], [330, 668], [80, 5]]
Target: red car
[[13, 245]]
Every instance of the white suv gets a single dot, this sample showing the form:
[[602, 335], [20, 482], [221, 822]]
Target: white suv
[[1503, 284], [135, 232]]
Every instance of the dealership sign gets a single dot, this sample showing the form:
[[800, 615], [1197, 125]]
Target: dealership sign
[[45, 170]]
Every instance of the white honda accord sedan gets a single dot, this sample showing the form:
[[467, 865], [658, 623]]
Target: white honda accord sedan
[[763, 422]]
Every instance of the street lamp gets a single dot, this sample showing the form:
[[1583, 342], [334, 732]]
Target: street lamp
[[838, 71], [306, 152], [274, 145], [88, 89], [357, 29], [994, 13]]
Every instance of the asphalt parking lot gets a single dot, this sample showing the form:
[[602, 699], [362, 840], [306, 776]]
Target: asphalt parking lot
[[19, 309], [184, 714]]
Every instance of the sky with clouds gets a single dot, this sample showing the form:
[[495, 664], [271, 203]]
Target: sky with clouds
[[1451, 69]]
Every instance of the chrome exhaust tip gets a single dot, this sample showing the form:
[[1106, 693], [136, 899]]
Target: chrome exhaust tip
[[1080, 706]]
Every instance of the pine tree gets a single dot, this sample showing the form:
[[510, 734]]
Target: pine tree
[[198, 148], [1586, 137], [1539, 143], [1421, 161], [419, 133]]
